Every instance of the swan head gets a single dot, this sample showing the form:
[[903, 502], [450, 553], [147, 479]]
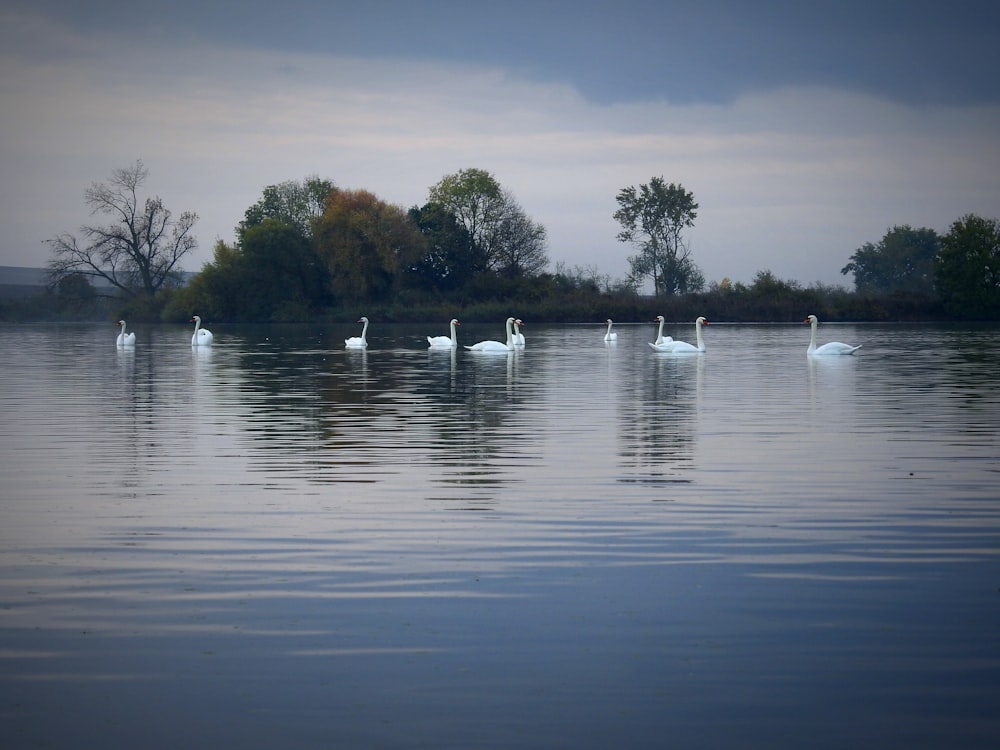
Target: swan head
[[454, 322], [608, 321], [811, 319], [362, 319], [121, 323], [701, 321], [195, 319], [658, 319], [519, 321]]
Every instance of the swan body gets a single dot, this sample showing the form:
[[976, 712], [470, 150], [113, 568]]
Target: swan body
[[518, 336], [125, 340], [496, 346], [610, 335], [201, 336], [834, 347], [358, 342], [683, 347], [445, 341], [660, 338]]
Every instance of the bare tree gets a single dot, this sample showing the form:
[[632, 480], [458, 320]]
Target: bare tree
[[139, 251], [521, 242]]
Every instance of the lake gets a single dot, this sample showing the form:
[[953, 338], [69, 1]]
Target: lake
[[281, 543]]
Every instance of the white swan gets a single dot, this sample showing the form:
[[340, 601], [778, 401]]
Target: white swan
[[518, 336], [358, 342], [610, 335], [834, 347], [660, 339], [201, 336], [445, 341], [125, 340], [682, 347], [496, 346]]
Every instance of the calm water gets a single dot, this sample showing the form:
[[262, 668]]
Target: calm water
[[280, 543]]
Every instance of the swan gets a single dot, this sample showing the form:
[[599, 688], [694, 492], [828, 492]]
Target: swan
[[125, 340], [443, 341], [496, 346], [610, 335], [834, 347], [660, 339], [682, 347], [201, 336], [358, 342], [518, 336]]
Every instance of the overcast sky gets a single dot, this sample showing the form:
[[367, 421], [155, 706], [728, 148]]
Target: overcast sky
[[803, 129]]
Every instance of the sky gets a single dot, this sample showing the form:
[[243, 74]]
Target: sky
[[803, 130]]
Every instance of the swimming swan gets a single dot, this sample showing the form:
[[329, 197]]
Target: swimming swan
[[125, 340], [682, 347], [834, 347], [660, 339], [358, 342], [443, 341], [496, 346], [518, 336], [201, 336], [610, 335]]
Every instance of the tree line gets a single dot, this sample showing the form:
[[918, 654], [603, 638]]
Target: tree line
[[310, 249]]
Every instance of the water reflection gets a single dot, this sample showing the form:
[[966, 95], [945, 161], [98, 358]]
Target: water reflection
[[173, 523], [658, 428]]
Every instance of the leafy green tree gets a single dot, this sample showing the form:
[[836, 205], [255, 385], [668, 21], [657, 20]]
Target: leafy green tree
[[477, 201], [509, 243], [446, 263], [366, 243], [968, 268], [217, 292], [139, 251], [298, 204], [283, 274], [902, 261], [653, 217]]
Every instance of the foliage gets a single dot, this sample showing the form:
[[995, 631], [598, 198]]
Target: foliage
[[654, 218], [298, 204], [446, 264], [477, 201], [281, 271], [139, 251], [366, 244], [500, 235], [968, 268], [902, 261]]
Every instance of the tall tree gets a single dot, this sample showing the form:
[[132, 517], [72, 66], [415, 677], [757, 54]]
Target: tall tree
[[653, 217], [968, 268], [297, 204], [507, 241], [366, 243], [902, 261], [520, 243], [476, 199], [139, 251], [446, 264]]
